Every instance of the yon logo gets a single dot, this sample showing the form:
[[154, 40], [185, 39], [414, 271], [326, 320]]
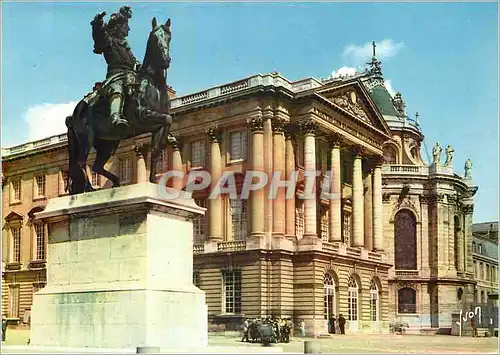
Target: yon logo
[[469, 315]]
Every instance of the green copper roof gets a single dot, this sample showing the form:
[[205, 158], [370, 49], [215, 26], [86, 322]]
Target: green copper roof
[[383, 101]]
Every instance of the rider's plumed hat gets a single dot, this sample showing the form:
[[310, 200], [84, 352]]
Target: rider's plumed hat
[[120, 17]]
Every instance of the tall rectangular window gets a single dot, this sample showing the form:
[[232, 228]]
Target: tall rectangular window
[[40, 185], [96, 181], [125, 170], [200, 224], [64, 182], [299, 220], [40, 241], [16, 190], [374, 305], [324, 226], [239, 218], [14, 301], [238, 148], [198, 154], [231, 283], [160, 164], [299, 153], [16, 244], [346, 228]]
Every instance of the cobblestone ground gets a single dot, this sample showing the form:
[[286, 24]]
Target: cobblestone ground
[[351, 343]]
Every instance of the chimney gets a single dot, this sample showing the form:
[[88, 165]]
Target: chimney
[[171, 92]]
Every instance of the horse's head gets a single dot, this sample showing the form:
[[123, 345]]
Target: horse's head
[[159, 44]]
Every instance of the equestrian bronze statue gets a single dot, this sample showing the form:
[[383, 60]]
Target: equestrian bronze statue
[[132, 100]]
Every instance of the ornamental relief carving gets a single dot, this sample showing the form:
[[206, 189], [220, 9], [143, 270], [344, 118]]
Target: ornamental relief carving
[[405, 284], [349, 101]]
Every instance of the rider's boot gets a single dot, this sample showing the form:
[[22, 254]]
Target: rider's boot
[[116, 110]]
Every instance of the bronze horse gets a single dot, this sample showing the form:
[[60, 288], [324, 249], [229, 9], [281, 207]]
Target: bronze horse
[[146, 108]]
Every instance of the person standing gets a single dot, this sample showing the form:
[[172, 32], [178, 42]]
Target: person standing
[[303, 328], [331, 324], [342, 324], [245, 330]]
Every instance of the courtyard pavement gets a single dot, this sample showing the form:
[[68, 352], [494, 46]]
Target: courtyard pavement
[[350, 343]]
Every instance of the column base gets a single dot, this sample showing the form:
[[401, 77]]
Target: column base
[[256, 241], [280, 242], [310, 242]]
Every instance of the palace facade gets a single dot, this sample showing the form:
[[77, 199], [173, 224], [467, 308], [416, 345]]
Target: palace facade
[[397, 245]]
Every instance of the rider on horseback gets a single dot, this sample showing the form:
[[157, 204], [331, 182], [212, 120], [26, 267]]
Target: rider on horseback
[[110, 40]]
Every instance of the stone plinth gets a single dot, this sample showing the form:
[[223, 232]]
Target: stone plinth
[[119, 272]]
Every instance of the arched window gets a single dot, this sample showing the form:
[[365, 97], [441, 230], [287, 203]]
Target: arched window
[[407, 300], [329, 296], [390, 155], [374, 302], [405, 240], [353, 300]]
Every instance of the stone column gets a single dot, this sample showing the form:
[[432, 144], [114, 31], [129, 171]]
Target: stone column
[[215, 233], [268, 152], [279, 208], [377, 220], [289, 203], [141, 171], [468, 209], [357, 201], [335, 207], [177, 183], [310, 220], [368, 209], [257, 196]]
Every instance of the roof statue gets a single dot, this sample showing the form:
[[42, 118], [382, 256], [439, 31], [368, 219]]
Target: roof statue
[[436, 153], [375, 64], [399, 104], [132, 100], [468, 169], [449, 155]]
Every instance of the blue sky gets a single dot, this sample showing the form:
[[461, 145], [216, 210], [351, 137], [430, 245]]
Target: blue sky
[[443, 57]]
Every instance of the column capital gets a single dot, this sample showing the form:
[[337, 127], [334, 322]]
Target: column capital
[[334, 140], [378, 161], [140, 149], [308, 127], [279, 125], [357, 152], [256, 124], [214, 133], [175, 143]]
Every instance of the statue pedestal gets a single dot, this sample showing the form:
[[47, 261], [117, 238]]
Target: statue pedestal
[[119, 272]]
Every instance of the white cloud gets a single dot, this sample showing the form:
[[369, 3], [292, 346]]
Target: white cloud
[[342, 72], [47, 119], [388, 86], [357, 54]]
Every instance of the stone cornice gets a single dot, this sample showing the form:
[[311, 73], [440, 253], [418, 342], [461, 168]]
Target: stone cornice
[[343, 126]]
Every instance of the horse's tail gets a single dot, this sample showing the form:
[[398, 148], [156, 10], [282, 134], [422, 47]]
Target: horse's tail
[[73, 124], [72, 153]]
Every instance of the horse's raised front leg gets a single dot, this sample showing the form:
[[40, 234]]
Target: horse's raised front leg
[[104, 150]]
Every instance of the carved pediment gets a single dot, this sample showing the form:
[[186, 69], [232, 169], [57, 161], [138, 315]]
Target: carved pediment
[[350, 102], [355, 100]]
